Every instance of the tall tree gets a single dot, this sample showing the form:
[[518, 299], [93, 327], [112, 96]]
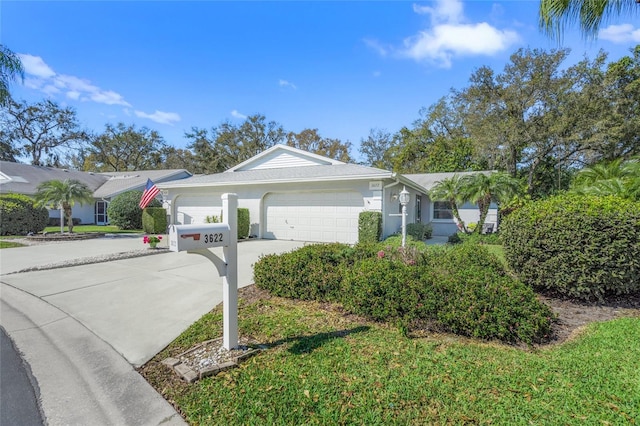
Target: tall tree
[[225, 146], [64, 195], [556, 15], [376, 149], [310, 140], [483, 189], [42, 130], [10, 68], [122, 148]]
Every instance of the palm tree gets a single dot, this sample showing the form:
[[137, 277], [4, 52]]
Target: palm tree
[[618, 177], [556, 14], [483, 189], [450, 190], [63, 195], [10, 68]]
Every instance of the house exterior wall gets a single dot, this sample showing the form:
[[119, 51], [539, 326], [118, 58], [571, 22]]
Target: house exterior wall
[[469, 213], [191, 205]]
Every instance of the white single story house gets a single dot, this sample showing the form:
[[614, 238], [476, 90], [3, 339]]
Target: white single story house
[[24, 179], [296, 195]]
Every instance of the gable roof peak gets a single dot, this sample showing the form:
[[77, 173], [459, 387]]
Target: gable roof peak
[[269, 159]]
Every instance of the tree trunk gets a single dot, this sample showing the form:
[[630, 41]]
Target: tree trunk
[[483, 206], [456, 214], [68, 214]]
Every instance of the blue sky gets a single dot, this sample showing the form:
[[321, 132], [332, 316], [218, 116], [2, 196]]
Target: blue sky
[[341, 67]]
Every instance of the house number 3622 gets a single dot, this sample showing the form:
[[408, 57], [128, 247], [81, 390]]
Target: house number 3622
[[212, 238]]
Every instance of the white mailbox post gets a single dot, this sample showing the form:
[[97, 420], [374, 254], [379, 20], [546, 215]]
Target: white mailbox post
[[197, 239]]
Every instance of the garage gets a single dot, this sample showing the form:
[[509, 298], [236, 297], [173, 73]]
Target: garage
[[313, 216], [194, 209]]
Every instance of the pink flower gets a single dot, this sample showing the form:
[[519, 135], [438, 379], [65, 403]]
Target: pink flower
[[380, 254], [159, 237]]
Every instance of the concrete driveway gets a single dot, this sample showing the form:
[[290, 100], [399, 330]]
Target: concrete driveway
[[137, 305], [80, 329]]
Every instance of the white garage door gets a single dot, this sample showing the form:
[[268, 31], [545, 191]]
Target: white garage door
[[313, 216]]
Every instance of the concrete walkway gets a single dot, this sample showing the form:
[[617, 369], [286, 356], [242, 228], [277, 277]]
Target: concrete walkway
[[82, 328]]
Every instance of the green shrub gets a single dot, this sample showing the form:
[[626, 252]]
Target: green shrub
[[473, 296], [154, 220], [462, 289], [313, 272], [476, 238], [395, 241], [244, 223], [454, 238], [369, 227], [212, 219], [124, 210], [382, 289], [420, 231], [19, 215], [579, 246]]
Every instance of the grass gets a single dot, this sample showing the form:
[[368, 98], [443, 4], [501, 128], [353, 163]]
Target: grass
[[5, 243], [108, 229], [323, 367]]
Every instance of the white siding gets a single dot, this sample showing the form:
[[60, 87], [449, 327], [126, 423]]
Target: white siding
[[280, 159]]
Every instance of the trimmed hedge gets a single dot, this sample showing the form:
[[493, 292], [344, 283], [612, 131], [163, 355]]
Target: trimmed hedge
[[19, 215], [124, 210], [369, 227], [244, 223], [462, 289], [154, 220], [586, 247]]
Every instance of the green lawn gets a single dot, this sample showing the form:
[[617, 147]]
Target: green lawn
[[327, 368], [107, 229]]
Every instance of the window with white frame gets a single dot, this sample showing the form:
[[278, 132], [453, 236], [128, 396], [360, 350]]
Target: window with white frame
[[442, 210]]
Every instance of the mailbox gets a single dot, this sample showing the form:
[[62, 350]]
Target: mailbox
[[193, 237]]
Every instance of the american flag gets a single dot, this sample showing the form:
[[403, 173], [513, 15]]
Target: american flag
[[149, 194]]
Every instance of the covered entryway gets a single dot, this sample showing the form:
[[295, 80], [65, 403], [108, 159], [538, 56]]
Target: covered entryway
[[312, 216]]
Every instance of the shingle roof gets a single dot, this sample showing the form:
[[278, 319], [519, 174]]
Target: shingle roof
[[119, 182], [429, 180], [25, 178], [288, 174]]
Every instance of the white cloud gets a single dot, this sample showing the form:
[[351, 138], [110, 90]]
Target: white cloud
[[41, 77], [285, 83], [450, 35], [377, 46], [160, 117], [35, 66], [236, 114], [624, 33]]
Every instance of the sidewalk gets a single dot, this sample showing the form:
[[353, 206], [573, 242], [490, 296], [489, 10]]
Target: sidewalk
[[83, 328]]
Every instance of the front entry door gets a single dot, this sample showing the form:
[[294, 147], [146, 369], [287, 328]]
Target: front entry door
[[101, 213]]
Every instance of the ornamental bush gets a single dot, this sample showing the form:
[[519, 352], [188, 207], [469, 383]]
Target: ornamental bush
[[369, 227], [462, 289], [420, 231], [244, 223], [154, 220], [19, 215], [313, 272], [124, 210], [579, 246]]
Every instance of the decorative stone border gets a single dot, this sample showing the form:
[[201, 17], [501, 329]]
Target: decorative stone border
[[190, 375]]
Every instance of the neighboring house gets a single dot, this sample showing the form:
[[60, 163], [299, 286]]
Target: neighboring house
[[295, 195], [25, 178]]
